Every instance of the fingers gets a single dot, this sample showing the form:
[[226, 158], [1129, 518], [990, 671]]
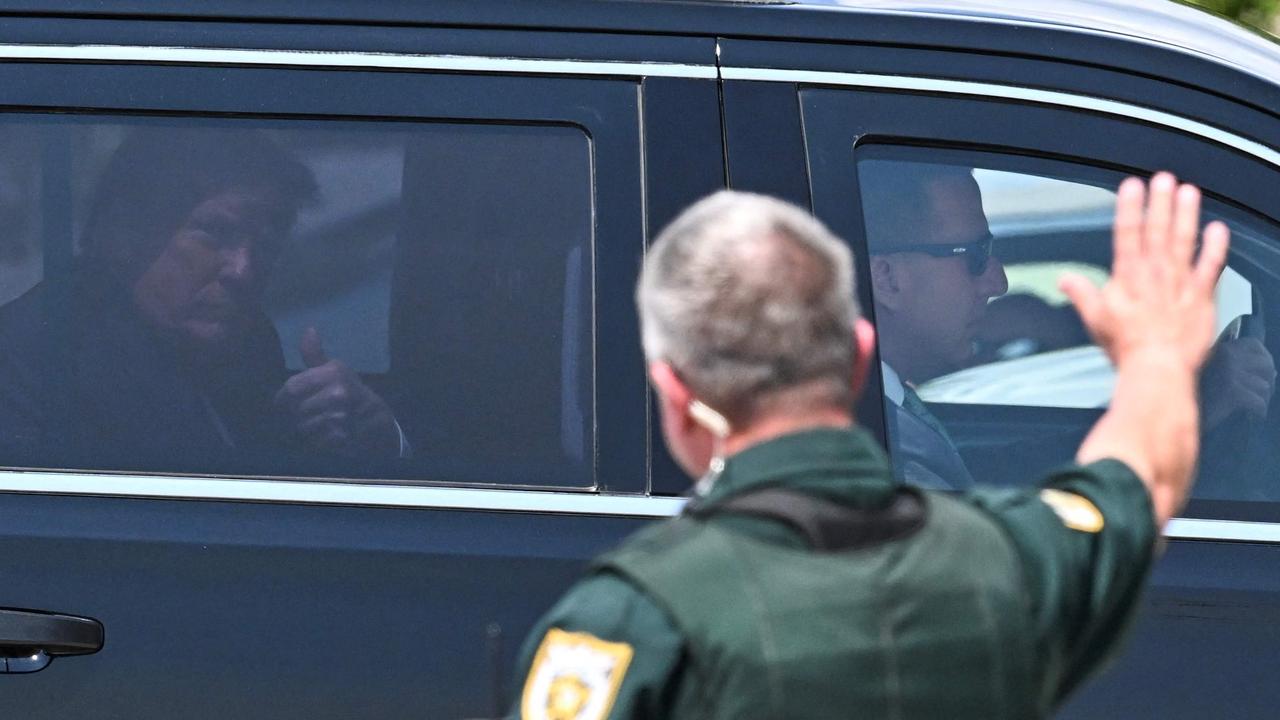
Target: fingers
[[328, 430], [312, 348], [304, 385], [1257, 385], [321, 404], [1155, 298], [1260, 407], [1166, 229], [1252, 396], [1083, 294], [1186, 223], [1213, 256], [1254, 356], [1127, 232], [330, 408], [1251, 365], [1240, 377], [1159, 220], [314, 382], [346, 418], [336, 396]]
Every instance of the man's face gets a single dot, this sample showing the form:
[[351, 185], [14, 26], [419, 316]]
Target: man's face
[[935, 303], [205, 286]]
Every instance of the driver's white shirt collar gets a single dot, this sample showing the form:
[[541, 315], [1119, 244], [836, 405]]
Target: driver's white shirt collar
[[893, 388]]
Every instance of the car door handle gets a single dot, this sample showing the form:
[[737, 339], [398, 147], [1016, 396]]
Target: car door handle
[[29, 640]]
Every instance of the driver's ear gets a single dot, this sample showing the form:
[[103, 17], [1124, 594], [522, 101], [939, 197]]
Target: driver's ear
[[886, 282]]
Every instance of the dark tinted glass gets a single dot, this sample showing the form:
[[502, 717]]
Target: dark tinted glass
[[992, 377], [379, 301]]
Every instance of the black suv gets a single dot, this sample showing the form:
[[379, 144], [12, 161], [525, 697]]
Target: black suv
[[320, 375]]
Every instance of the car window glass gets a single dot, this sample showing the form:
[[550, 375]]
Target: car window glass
[[988, 372], [406, 301]]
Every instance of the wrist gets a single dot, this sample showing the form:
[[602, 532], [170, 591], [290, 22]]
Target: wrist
[[1156, 357]]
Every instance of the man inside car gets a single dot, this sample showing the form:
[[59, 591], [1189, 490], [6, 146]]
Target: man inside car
[[932, 274], [173, 352]]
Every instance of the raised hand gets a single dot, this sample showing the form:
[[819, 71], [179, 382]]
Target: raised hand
[[1154, 318], [330, 408], [1157, 300]]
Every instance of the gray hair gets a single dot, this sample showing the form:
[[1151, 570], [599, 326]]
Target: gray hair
[[747, 296]]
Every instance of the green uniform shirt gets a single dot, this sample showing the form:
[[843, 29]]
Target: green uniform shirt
[[1084, 537]]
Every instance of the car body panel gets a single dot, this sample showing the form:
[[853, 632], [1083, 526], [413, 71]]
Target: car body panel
[[218, 609], [408, 596]]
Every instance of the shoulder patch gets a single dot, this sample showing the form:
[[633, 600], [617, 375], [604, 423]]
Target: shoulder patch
[[574, 676], [1075, 511]]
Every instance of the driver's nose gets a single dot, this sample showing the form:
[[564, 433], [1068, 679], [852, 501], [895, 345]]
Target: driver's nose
[[993, 283]]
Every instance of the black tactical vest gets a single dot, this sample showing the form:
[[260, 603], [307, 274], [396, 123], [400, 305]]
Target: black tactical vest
[[913, 611]]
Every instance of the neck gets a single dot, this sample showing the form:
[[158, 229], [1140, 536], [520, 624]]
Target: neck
[[770, 427], [901, 354], [908, 363]]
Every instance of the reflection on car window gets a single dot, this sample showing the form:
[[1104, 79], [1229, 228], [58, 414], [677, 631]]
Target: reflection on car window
[[988, 372], [303, 299]]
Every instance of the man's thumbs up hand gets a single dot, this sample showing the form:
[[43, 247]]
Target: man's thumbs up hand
[[312, 348], [330, 408]]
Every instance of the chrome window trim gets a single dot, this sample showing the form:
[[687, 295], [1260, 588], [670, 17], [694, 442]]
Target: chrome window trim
[[1201, 529], [448, 498], [1011, 92], [336, 493], [1235, 530], [349, 60]]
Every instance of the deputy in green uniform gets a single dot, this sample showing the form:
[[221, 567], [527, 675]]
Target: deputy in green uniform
[[802, 581]]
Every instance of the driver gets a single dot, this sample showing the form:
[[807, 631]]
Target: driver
[[932, 275]]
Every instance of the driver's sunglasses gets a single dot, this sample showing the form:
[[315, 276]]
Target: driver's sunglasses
[[977, 253]]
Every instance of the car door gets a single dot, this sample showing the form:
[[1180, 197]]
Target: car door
[[470, 213], [1039, 166]]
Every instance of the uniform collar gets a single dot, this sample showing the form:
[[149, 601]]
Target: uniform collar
[[843, 464]]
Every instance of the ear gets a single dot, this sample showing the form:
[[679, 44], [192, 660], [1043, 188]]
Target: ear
[[864, 342], [886, 281], [673, 395], [691, 444]]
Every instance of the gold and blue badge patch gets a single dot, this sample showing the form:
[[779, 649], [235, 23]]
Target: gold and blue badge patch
[[575, 676], [1075, 511]]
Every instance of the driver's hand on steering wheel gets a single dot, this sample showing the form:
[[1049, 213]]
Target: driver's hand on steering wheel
[[1239, 376]]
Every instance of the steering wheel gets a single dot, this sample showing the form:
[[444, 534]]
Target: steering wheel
[[1250, 325], [1227, 448]]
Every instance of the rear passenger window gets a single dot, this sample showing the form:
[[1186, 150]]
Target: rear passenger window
[[988, 372], [321, 299]]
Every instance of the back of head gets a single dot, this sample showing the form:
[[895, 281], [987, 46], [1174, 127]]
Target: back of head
[[749, 298]]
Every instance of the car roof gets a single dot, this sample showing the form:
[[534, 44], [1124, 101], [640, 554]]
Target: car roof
[[1165, 22], [1102, 29]]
